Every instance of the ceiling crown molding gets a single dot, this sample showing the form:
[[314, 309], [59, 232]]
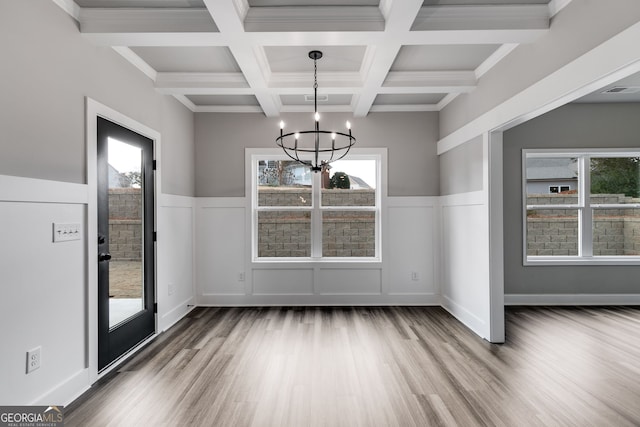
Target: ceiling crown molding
[[485, 17], [429, 82], [96, 20], [314, 18], [201, 81], [325, 80], [70, 7], [242, 7]]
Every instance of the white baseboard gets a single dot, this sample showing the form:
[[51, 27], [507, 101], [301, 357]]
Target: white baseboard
[[213, 300], [572, 299], [66, 392], [176, 314], [467, 318]]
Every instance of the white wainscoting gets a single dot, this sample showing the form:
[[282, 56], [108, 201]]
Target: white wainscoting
[[45, 289], [465, 259], [44, 293], [226, 275], [175, 284]]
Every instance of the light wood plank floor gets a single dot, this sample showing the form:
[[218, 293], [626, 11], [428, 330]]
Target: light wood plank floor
[[397, 366]]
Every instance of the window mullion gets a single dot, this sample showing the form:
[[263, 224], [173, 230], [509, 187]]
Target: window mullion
[[585, 218], [316, 217]]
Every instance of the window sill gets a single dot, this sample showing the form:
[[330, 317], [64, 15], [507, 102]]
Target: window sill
[[341, 262], [562, 261]]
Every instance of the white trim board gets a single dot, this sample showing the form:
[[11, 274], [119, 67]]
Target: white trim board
[[21, 189], [219, 300], [572, 299], [610, 61]]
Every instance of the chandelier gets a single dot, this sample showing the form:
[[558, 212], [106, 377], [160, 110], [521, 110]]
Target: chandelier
[[316, 148]]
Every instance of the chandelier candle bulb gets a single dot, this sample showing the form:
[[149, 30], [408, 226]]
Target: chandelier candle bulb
[[316, 116]]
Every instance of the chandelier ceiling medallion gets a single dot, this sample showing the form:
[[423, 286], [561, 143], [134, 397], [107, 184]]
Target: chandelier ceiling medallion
[[316, 148]]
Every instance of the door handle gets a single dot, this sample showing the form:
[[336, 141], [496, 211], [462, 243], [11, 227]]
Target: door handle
[[104, 257]]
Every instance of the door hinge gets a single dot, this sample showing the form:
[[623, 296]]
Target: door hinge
[[155, 307], [154, 165], [155, 236]]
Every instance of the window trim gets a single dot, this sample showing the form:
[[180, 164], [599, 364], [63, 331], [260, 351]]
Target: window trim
[[253, 155], [584, 209]]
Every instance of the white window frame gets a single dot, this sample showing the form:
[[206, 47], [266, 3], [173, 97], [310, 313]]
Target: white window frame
[[584, 208], [254, 155]]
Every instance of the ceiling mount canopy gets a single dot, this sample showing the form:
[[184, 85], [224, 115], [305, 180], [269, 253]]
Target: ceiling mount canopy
[[316, 148]]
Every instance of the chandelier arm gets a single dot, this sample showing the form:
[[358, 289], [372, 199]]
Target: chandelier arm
[[293, 150]]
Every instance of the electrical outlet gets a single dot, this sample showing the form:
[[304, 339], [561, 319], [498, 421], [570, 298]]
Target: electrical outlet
[[172, 289], [241, 277], [415, 276], [33, 359]]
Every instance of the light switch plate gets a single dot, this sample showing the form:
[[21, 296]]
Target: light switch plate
[[64, 232]]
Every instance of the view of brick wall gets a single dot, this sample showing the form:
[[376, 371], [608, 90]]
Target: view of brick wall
[[347, 233], [125, 224], [555, 231]]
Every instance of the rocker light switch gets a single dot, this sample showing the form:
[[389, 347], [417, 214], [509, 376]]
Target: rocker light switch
[[66, 232]]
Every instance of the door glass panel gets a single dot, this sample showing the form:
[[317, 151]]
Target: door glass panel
[[125, 231]]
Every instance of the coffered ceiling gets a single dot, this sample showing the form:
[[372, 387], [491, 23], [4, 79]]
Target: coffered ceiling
[[252, 55]]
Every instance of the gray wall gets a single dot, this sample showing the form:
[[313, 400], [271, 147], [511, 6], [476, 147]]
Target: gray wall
[[221, 139], [47, 70], [578, 28], [572, 126], [461, 168]]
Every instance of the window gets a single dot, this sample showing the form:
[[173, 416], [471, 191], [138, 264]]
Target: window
[[581, 206], [330, 215]]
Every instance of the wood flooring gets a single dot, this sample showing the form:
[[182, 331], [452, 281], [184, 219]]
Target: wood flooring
[[388, 366]]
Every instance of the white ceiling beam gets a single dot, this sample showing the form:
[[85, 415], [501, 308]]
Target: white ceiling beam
[[335, 38], [400, 14], [228, 18], [314, 18], [184, 20], [483, 17]]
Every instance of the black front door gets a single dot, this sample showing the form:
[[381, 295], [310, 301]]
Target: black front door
[[126, 261]]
